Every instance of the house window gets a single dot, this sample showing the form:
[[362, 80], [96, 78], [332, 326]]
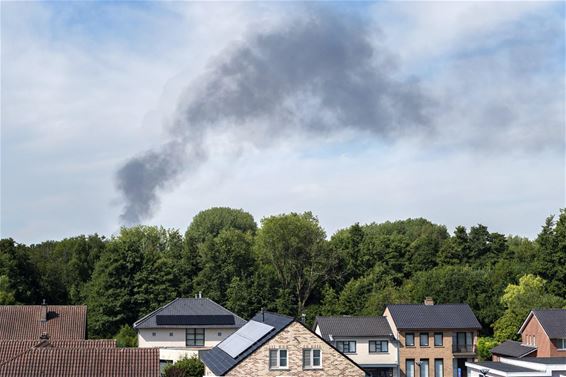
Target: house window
[[424, 368], [438, 368], [423, 339], [410, 339], [378, 346], [312, 358], [170, 334], [195, 337], [438, 339], [277, 359], [410, 368], [346, 346], [561, 344]]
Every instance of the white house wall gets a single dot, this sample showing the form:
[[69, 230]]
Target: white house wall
[[176, 338]]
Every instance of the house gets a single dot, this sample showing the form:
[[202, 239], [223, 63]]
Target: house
[[524, 367], [186, 326], [30, 322], [545, 329], [271, 344], [368, 341], [511, 348], [82, 362], [434, 340]]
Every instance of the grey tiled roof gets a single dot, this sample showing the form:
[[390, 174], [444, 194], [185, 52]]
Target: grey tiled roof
[[440, 316], [553, 321], [347, 326], [512, 348], [509, 368], [188, 306], [545, 360], [219, 362]]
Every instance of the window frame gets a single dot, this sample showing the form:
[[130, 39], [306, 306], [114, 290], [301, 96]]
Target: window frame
[[441, 367], [407, 363], [278, 358], [561, 347], [342, 342], [421, 339], [412, 335], [196, 336], [441, 344], [380, 342], [311, 358], [424, 369]]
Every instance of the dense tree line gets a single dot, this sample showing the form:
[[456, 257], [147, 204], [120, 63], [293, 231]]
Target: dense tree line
[[289, 265]]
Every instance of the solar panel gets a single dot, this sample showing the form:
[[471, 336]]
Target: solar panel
[[244, 338], [222, 319]]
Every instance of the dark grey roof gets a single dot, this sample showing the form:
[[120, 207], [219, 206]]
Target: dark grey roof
[[512, 348], [442, 316], [219, 362], [545, 360], [509, 368], [553, 321], [188, 307], [347, 326]]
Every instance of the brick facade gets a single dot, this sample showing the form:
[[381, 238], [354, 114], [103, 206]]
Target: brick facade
[[431, 353], [294, 339], [534, 333]]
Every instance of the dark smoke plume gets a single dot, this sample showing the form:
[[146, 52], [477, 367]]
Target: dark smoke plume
[[316, 75]]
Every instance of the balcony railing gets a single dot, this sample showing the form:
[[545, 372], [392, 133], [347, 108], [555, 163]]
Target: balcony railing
[[463, 348]]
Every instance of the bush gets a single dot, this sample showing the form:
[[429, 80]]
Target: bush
[[186, 367], [485, 344], [126, 337]]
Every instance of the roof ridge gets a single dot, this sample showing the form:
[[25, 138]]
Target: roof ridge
[[139, 321]]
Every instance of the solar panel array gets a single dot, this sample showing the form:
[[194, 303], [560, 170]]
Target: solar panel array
[[244, 338], [196, 320]]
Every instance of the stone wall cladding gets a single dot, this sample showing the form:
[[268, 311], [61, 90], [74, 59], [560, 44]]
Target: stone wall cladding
[[294, 338]]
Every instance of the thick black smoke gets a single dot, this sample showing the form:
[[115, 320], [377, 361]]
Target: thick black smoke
[[317, 75]]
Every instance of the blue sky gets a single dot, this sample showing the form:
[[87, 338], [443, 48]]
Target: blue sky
[[86, 86]]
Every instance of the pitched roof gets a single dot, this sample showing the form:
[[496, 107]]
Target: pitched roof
[[84, 362], [438, 316], [23, 322], [513, 349], [12, 348], [200, 310], [504, 367], [553, 321], [545, 360], [348, 326], [219, 362]]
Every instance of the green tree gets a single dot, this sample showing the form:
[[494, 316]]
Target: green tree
[[227, 256], [134, 276], [6, 292], [186, 367], [21, 273], [126, 337], [518, 301], [485, 344], [550, 260], [295, 246]]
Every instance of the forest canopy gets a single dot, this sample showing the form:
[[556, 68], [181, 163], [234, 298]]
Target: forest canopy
[[289, 265]]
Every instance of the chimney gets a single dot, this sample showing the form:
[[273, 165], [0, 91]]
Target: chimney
[[43, 311], [428, 301], [303, 318], [44, 336], [199, 294]]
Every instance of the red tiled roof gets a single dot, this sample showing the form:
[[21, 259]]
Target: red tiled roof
[[12, 348], [23, 322], [83, 362]]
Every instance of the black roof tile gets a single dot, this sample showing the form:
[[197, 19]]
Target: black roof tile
[[348, 326], [430, 317], [513, 349], [553, 321]]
